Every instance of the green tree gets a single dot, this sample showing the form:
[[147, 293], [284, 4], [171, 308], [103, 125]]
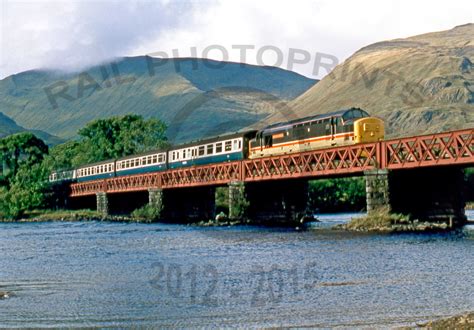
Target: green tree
[[339, 194], [20, 149], [29, 189], [121, 136]]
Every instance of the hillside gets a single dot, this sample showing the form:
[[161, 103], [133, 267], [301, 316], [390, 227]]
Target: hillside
[[8, 127], [194, 97], [421, 84]]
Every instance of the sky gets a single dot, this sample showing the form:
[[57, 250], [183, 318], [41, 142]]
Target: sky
[[297, 35]]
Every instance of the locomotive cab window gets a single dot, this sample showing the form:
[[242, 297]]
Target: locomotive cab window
[[268, 140]]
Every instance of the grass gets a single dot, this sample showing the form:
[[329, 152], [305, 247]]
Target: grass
[[61, 215], [382, 220]]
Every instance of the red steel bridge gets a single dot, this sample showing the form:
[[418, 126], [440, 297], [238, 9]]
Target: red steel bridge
[[450, 148], [419, 175]]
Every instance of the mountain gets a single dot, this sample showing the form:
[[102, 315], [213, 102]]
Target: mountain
[[8, 127], [421, 84], [195, 97]]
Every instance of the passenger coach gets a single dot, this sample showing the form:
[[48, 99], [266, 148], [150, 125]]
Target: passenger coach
[[213, 150]]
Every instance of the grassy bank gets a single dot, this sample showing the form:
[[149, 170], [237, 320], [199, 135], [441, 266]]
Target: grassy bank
[[70, 215], [385, 222]]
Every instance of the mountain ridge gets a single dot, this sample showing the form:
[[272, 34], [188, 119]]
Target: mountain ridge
[[421, 84], [211, 97]]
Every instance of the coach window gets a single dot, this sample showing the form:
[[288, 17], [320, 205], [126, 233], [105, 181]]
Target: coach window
[[228, 145], [201, 151], [218, 147], [210, 149], [236, 145], [159, 159]]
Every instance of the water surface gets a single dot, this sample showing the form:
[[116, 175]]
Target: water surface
[[119, 274]]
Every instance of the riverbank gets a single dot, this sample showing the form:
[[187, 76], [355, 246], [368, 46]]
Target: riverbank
[[386, 222], [71, 216], [461, 322]]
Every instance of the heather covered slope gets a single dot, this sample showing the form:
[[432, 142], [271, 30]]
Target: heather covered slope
[[195, 98], [421, 84]]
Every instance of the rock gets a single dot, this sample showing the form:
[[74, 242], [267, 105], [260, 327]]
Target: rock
[[5, 294], [221, 217]]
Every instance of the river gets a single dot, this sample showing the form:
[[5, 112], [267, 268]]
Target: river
[[101, 274]]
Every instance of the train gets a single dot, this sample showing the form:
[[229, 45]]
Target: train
[[343, 127]]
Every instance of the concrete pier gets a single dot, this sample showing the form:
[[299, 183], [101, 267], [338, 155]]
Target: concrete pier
[[155, 199], [102, 203], [377, 190]]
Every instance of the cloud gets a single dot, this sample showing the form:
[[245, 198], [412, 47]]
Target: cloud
[[74, 35]]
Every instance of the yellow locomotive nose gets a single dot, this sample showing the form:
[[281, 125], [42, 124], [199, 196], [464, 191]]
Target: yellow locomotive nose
[[368, 129]]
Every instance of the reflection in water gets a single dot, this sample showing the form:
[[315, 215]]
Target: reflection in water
[[106, 274]]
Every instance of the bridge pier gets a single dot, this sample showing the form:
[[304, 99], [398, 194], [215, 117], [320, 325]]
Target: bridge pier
[[275, 202], [377, 190], [102, 203], [155, 199], [428, 194]]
